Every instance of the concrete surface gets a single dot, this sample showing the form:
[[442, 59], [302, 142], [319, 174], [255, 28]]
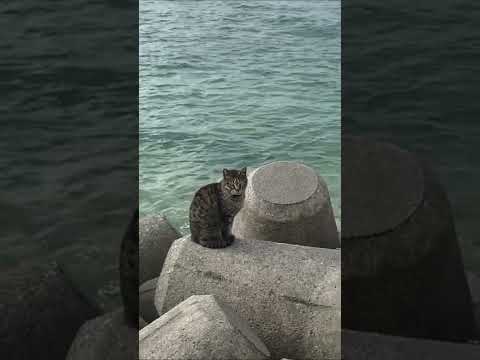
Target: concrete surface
[[146, 303], [200, 328], [105, 338], [40, 313], [371, 346], [474, 285], [384, 186], [289, 294], [287, 202], [402, 271], [156, 236]]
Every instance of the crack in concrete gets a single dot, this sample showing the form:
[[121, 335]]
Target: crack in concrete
[[304, 302]]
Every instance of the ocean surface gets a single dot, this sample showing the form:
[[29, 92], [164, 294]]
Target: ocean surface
[[222, 84], [231, 83], [68, 180], [410, 76]]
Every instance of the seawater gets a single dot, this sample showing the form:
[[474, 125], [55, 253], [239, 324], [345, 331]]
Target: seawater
[[409, 77], [68, 168], [227, 84]]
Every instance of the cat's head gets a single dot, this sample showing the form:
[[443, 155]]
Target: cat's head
[[234, 182]]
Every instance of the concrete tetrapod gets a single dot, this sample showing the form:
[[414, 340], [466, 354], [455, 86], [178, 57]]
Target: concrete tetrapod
[[289, 294], [156, 235], [474, 285], [105, 338], [41, 312], [200, 328], [370, 346], [146, 300], [287, 202], [402, 271]]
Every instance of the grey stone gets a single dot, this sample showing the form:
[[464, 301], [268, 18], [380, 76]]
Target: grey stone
[[289, 294], [200, 328], [40, 313], [105, 338], [90, 277], [399, 246], [474, 285], [287, 202], [371, 346], [147, 300], [156, 236], [384, 186]]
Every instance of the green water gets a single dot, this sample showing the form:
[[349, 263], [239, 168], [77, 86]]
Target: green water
[[233, 84]]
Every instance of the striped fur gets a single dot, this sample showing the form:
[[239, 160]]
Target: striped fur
[[214, 207]]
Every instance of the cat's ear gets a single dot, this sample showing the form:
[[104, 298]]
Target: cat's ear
[[243, 171], [225, 173]]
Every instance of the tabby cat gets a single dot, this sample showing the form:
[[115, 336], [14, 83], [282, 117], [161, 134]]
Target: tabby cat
[[213, 208]]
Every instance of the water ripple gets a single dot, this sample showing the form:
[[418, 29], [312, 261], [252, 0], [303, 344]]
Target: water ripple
[[235, 83]]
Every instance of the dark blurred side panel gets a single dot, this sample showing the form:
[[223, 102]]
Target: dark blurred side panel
[[410, 204], [69, 176]]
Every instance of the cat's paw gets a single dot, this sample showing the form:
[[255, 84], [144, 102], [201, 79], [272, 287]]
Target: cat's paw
[[230, 239], [217, 243]]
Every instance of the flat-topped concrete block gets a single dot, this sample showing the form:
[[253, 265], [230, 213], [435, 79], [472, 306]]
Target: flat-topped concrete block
[[105, 338], [402, 271], [200, 328], [40, 313], [289, 294], [146, 305], [384, 186], [370, 346], [156, 235], [287, 202]]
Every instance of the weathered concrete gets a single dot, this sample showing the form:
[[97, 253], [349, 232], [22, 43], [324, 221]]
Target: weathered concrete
[[147, 300], [156, 236], [371, 346], [105, 338], [384, 186], [287, 202], [40, 313], [200, 328], [289, 294], [91, 279], [474, 285], [402, 272]]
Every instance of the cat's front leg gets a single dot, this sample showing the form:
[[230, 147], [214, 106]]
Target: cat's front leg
[[228, 220], [227, 234]]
